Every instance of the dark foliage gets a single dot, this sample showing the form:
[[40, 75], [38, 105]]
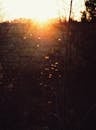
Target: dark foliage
[[91, 10], [47, 83]]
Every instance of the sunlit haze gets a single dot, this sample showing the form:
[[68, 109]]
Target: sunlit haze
[[40, 10]]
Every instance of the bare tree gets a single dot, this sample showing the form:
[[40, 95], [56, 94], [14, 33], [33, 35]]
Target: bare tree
[[70, 10]]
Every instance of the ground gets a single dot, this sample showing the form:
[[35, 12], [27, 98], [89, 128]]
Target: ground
[[47, 75]]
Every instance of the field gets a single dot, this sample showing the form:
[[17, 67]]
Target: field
[[47, 76]]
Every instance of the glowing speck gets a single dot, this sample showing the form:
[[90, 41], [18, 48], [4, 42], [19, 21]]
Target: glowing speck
[[25, 38], [56, 63], [47, 69], [39, 38], [53, 65], [30, 35], [56, 69], [52, 68], [50, 76], [59, 39], [46, 57], [41, 73], [41, 84], [59, 76], [10, 86], [38, 45], [45, 85]]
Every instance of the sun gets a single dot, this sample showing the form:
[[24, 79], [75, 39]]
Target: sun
[[39, 10]]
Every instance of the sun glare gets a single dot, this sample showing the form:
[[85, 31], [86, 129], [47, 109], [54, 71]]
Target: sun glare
[[40, 10]]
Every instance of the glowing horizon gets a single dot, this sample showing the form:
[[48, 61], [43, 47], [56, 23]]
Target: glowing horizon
[[40, 10]]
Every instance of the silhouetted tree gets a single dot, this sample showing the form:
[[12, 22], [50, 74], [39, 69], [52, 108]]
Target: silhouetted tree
[[70, 10], [91, 10], [83, 16]]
